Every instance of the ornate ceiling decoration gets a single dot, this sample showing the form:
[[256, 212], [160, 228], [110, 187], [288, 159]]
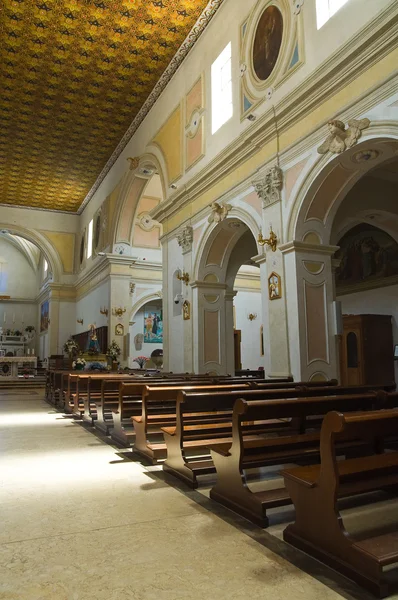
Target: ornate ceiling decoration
[[74, 76]]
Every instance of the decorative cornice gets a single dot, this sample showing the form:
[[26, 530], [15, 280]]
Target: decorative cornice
[[365, 49], [296, 246], [177, 60]]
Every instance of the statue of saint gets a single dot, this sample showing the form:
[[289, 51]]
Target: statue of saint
[[93, 345]]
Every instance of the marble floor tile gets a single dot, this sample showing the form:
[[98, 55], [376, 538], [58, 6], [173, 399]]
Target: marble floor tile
[[81, 522]]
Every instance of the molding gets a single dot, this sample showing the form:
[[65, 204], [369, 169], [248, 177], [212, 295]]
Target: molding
[[19, 300], [364, 50], [295, 246], [183, 51], [208, 285]]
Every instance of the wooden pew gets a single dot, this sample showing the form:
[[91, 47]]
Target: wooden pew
[[159, 410], [122, 432], [178, 462], [232, 459], [319, 528]]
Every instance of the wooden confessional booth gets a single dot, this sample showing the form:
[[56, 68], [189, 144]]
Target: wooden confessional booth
[[367, 350]]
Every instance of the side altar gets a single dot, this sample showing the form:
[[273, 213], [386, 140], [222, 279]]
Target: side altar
[[9, 365]]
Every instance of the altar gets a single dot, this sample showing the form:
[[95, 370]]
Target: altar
[[10, 365]]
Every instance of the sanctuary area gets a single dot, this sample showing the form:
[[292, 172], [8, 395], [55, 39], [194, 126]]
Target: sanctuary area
[[199, 299]]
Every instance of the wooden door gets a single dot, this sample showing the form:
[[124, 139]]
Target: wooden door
[[351, 356], [237, 353]]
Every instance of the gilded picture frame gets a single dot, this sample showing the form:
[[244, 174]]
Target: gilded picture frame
[[274, 286], [186, 310], [119, 329]]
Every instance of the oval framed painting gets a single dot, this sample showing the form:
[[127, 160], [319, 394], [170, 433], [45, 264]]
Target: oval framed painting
[[267, 42]]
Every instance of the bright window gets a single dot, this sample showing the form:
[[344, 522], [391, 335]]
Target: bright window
[[45, 266], [221, 89], [90, 239], [326, 9]]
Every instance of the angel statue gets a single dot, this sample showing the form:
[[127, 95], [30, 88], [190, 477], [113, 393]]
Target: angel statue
[[340, 138], [218, 212]]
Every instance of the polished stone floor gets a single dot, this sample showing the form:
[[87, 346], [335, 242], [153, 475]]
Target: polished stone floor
[[81, 521]]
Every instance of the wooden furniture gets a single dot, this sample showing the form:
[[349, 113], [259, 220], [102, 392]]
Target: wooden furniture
[[302, 442], [318, 528], [366, 351], [185, 439]]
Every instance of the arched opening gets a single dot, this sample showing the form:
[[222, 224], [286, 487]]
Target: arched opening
[[345, 267], [24, 318], [146, 332], [227, 294]]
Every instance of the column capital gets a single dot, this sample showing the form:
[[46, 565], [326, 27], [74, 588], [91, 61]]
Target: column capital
[[185, 239], [268, 185]]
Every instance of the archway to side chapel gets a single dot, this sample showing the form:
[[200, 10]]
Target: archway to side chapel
[[344, 233], [229, 246]]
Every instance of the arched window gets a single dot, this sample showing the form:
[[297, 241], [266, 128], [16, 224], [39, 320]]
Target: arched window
[[325, 9]]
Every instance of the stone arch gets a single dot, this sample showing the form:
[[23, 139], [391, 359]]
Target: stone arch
[[225, 247], [130, 195], [326, 180], [50, 253], [142, 301]]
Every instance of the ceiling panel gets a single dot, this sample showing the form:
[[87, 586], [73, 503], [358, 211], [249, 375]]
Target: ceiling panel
[[73, 75]]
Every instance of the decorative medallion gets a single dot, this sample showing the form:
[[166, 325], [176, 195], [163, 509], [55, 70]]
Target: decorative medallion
[[146, 222], [267, 42], [365, 156]]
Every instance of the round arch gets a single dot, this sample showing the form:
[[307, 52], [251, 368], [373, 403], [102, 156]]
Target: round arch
[[48, 250], [130, 195], [142, 301], [326, 180]]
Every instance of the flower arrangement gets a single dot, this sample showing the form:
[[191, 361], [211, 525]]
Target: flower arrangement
[[70, 347], [30, 329], [79, 363], [113, 351], [13, 332], [140, 360]]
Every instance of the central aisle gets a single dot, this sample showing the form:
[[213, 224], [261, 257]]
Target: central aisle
[[79, 522]]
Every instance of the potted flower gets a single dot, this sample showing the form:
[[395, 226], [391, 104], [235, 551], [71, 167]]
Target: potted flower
[[70, 347], [141, 360], [113, 354], [79, 364]]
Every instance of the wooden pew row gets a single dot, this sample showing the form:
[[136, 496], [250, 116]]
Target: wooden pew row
[[159, 410], [318, 528], [181, 438], [122, 432], [233, 458]]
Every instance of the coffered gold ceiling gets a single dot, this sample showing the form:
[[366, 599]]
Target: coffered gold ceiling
[[73, 76]]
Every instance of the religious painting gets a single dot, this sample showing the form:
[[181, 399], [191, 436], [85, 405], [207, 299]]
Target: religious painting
[[367, 256], [186, 310], [44, 310], [267, 42], [274, 286], [153, 327], [119, 329]]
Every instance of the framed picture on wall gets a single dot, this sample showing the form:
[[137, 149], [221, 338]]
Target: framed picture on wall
[[274, 286], [44, 309], [153, 327], [119, 329]]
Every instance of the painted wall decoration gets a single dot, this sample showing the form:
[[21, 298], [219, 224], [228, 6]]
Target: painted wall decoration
[[274, 286], [153, 327], [367, 256], [44, 311], [267, 42]]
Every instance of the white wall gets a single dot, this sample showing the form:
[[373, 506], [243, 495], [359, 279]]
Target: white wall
[[245, 303], [138, 327], [380, 301], [88, 309], [67, 323]]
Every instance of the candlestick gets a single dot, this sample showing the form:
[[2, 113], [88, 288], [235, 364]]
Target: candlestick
[[4, 316]]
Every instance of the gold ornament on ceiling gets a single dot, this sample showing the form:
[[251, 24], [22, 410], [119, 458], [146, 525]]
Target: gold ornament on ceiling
[[73, 76]]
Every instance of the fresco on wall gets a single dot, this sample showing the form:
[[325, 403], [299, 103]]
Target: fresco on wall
[[267, 42], [44, 316], [367, 255], [153, 327]]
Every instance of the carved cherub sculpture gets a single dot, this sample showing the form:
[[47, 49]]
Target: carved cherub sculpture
[[218, 212], [340, 138]]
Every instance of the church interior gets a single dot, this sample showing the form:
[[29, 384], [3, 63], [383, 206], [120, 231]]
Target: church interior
[[198, 299]]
